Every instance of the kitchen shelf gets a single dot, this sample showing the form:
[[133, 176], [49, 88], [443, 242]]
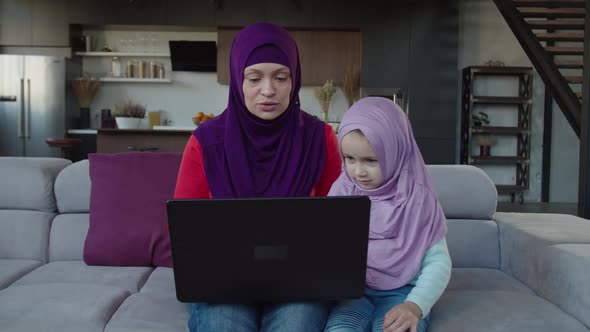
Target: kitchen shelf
[[124, 54], [135, 80]]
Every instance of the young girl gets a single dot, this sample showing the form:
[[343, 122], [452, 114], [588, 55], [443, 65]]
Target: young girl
[[408, 263]]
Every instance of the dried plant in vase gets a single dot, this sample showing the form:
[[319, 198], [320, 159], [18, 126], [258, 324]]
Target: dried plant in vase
[[352, 83], [324, 94], [129, 114], [85, 88]]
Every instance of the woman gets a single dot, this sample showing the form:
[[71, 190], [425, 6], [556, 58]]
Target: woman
[[262, 145]]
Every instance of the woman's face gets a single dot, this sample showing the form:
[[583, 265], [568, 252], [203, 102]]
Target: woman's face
[[267, 89]]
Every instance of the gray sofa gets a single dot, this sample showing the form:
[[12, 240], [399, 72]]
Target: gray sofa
[[511, 272]]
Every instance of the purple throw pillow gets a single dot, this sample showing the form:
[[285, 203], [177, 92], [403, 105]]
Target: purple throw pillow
[[128, 219]]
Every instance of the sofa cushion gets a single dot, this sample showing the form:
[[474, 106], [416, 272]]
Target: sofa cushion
[[150, 312], [27, 183], [128, 220], [563, 278], [473, 243], [485, 279], [72, 188], [476, 196], [58, 307], [24, 234], [12, 269], [524, 237], [66, 239], [160, 281], [130, 279], [499, 311]]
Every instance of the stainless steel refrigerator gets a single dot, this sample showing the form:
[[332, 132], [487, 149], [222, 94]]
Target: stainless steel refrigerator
[[32, 104]]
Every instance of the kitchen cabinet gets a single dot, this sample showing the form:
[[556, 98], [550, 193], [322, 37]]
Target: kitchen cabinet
[[336, 13], [49, 23], [145, 140], [290, 14], [33, 23], [15, 22], [239, 12], [86, 12], [332, 54], [324, 54], [190, 13], [151, 12], [225, 38]]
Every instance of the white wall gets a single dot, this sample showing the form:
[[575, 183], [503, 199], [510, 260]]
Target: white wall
[[484, 35], [189, 92]]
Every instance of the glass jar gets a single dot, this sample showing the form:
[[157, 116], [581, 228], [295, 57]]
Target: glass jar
[[130, 69], [116, 67]]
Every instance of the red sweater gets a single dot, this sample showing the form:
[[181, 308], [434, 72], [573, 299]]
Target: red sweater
[[192, 181]]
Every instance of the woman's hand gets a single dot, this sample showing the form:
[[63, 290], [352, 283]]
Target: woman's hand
[[402, 317]]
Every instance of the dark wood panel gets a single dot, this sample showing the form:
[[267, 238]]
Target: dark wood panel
[[225, 38], [324, 54], [333, 53]]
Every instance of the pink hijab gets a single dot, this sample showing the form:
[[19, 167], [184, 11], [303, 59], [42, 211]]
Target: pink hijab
[[406, 217]]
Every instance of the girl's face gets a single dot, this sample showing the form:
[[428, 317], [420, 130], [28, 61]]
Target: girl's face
[[360, 161], [267, 89]]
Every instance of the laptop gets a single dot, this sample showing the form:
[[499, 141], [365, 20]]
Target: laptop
[[259, 250]]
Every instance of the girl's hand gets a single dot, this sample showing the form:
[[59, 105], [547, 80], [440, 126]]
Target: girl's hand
[[402, 317]]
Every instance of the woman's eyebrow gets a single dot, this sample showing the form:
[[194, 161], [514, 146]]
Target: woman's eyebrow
[[252, 71]]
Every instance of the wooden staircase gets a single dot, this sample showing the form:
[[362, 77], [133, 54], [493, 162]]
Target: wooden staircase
[[552, 34]]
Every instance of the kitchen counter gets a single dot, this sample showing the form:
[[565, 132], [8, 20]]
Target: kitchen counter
[[110, 140], [82, 131], [142, 130]]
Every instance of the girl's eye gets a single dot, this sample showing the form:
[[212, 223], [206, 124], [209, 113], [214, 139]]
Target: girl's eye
[[281, 78], [348, 158], [253, 79]]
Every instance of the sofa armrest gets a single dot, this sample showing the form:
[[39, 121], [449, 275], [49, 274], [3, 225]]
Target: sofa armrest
[[550, 253]]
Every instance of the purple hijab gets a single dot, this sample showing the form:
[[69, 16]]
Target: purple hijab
[[406, 218], [245, 156]]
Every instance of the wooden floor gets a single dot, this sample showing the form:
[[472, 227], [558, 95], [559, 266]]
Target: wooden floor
[[566, 208]]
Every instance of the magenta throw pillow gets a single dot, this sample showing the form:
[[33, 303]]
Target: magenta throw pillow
[[128, 219]]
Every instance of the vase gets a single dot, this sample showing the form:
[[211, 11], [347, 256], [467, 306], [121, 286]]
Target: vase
[[484, 150], [324, 116], [127, 123], [84, 117]]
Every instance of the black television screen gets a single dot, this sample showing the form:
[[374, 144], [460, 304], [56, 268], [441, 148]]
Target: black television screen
[[187, 55]]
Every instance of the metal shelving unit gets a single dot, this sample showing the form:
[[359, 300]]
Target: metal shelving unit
[[522, 103]]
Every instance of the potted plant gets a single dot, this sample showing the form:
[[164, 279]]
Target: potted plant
[[485, 140], [129, 114], [480, 119]]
